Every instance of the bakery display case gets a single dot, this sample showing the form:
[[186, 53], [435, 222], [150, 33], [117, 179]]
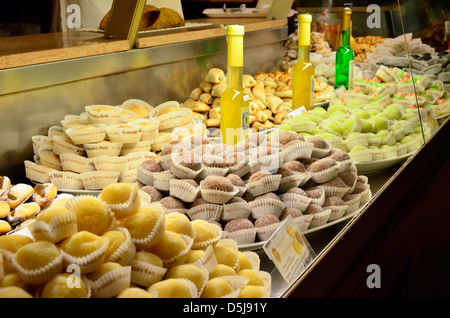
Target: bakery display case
[[362, 172]]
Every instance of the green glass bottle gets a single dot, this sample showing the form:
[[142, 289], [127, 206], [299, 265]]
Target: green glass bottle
[[345, 55]]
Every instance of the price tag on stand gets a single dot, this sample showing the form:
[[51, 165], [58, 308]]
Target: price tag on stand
[[289, 250], [297, 112]]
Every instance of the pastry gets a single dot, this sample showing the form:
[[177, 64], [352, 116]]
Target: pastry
[[18, 194]]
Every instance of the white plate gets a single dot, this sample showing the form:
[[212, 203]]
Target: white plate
[[258, 245], [378, 165], [248, 13]]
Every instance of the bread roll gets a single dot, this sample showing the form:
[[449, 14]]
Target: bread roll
[[195, 93], [206, 98], [206, 86], [214, 113], [215, 75], [212, 122], [218, 89]]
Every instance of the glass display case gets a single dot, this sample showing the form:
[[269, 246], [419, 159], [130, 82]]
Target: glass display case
[[392, 124]]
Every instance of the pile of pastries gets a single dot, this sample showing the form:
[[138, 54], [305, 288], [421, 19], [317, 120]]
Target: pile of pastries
[[364, 45], [104, 144], [20, 203], [250, 188], [119, 244]]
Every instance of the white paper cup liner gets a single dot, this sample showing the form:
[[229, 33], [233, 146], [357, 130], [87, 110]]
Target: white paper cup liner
[[110, 163], [296, 201], [203, 245], [263, 233], [76, 163], [135, 159], [290, 182], [217, 196], [165, 161], [87, 263], [266, 206], [141, 146], [335, 191], [82, 136], [303, 222], [236, 210], [111, 283], [144, 274], [212, 171], [161, 181], [320, 200], [183, 172], [103, 149], [144, 176], [320, 218], [37, 173], [40, 275], [126, 251], [182, 190], [132, 134], [264, 185], [109, 116], [60, 227], [128, 176], [245, 236], [325, 175], [97, 180], [211, 212], [336, 212], [67, 180]]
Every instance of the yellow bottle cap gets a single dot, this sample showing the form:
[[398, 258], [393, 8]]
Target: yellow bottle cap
[[304, 29], [235, 41], [235, 29], [346, 15]]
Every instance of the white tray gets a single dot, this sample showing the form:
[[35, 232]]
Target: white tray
[[378, 165]]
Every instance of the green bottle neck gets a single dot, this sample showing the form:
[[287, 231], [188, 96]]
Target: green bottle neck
[[345, 38], [303, 53], [234, 76]]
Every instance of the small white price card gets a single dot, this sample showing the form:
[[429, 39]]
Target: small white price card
[[289, 250]]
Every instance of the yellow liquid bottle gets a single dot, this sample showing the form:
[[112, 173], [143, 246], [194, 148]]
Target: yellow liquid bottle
[[303, 71], [234, 102]]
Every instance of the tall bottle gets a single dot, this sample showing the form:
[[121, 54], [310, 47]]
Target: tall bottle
[[234, 102], [303, 71], [344, 55]]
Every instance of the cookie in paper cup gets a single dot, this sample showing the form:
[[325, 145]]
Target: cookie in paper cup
[[186, 190], [290, 181], [266, 225], [135, 159], [364, 190], [38, 140], [213, 166], [114, 280], [295, 200], [206, 234], [317, 195], [323, 170], [335, 187], [303, 222], [150, 128], [319, 215], [297, 149], [262, 182], [139, 107], [76, 163], [97, 180], [29, 272], [84, 249], [146, 169], [337, 206], [37, 173], [86, 134], [110, 163], [186, 165], [69, 122], [103, 148], [141, 146], [128, 176], [343, 159], [66, 145], [352, 201], [204, 210], [54, 226], [162, 139], [121, 198], [242, 230], [146, 227], [124, 133], [161, 180], [103, 114], [235, 208], [217, 189], [172, 248], [144, 273], [67, 180], [121, 246], [268, 203]]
